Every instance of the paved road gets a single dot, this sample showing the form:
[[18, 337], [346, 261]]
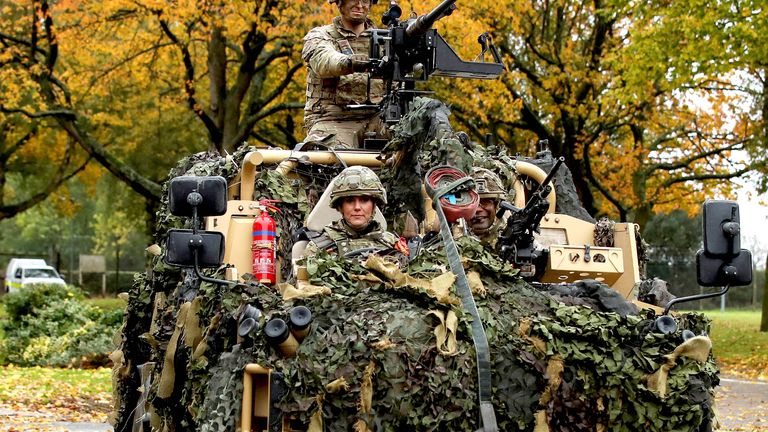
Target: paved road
[[24, 421], [741, 405]]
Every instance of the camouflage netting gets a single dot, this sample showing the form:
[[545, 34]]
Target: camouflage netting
[[390, 351], [422, 139]]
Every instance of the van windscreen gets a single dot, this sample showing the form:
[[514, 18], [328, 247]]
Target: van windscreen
[[40, 273]]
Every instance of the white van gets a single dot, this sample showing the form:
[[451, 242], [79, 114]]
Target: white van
[[24, 271]]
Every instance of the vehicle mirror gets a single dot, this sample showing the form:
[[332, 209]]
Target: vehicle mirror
[[718, 271], [208, 194], [182, 243], [721, 228]]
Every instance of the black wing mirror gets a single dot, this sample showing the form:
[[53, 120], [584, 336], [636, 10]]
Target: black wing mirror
[[182, 245], [713, 271], [207, 195], [722, 262], [195, 197]]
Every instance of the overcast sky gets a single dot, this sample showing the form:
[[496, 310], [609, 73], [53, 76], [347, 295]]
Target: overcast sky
[[753, 213]]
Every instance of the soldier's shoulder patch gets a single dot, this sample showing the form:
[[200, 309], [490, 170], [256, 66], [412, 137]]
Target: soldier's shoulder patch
[[345, 47]]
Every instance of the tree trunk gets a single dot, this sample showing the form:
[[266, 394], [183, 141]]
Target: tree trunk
[[764, 320]]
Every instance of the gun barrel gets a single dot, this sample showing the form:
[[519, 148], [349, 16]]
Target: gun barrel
[[425, 22], [551, 174]]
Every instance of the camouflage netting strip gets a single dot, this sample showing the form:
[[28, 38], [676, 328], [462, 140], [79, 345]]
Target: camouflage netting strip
[[422, 139], [601, 360], [557, 357]]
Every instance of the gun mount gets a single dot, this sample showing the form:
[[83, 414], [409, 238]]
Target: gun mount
[[411, 50], [516, 243]]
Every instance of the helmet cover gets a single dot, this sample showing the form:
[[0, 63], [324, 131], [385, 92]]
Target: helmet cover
[[488, 184], [357, 181]]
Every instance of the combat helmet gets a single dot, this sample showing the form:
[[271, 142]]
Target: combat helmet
[[358, 181], [488, 184]]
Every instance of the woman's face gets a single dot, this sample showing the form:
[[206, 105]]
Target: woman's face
[[357, 211]]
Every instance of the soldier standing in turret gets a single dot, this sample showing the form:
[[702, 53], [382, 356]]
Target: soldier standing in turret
[[355, 194], [337, 58], [484, 223]]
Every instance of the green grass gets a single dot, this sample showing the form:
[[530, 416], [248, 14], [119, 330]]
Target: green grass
[[107, 304], [2, 317], [43, 385], [738, 343]]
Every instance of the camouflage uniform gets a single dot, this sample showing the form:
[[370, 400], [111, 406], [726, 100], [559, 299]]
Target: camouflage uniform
[[339, 237], [332, 85]]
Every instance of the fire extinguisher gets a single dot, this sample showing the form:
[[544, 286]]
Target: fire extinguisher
[[264, 245]]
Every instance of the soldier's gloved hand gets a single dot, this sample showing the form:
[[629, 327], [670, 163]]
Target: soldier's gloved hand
[[361, 66], [358, 63]]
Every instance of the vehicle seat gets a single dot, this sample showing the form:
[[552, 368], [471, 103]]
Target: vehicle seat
[[320, 216]]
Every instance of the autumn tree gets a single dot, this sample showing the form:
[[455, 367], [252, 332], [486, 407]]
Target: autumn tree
[[726, 45], [29, 172], [589, 78], [593, 78], [137, 85], [34, 159]]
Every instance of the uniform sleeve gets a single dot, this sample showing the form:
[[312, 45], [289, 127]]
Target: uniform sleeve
[[320, 54]]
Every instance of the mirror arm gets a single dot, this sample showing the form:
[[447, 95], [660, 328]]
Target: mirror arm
[[204, 278], [694, 297], [194, 199]]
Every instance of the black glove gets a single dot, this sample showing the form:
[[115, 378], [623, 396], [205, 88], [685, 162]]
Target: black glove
[[360, 66]]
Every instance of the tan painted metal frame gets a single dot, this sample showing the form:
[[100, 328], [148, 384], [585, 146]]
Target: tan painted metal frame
[[566, 264], [620, 271], [256, 398]]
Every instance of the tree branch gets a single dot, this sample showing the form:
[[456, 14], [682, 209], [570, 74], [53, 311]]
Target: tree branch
[[6, 153], [145, 187], [272, 110], [189, 83], [708, 176], [597, 184], [684, 163], [278, 90], [40, 114], [528, 116], [9, 211]]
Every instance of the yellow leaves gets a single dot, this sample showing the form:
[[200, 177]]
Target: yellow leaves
[[52, 394], [65, 206], [90, 177], [112, 228], [45, 147]]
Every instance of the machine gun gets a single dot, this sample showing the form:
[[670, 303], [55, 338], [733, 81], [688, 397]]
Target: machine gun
[[411, 50], [515, 243]]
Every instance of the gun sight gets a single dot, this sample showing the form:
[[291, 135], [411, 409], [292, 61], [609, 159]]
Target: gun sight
[[392, 16]]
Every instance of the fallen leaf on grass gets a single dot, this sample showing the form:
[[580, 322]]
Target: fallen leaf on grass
[[42, 395]]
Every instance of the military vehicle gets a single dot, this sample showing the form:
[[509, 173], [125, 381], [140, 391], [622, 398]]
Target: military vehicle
[[234, 329]]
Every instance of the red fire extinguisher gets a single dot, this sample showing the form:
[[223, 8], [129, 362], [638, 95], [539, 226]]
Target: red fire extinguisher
[[264, 245]]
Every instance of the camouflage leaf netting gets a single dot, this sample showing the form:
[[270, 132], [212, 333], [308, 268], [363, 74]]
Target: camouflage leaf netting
[[562, 361]]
